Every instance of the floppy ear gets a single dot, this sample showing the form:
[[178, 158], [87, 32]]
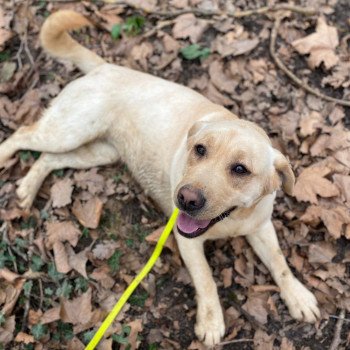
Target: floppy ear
[[196, 127], [285, 172]]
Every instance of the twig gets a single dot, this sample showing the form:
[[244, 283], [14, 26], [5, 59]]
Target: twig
[[337, 317], [290, 74], [235, 14], [235, 341], [337, 339], [26, 308]]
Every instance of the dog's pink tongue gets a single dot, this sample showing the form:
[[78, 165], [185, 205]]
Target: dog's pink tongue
[[187, 224]]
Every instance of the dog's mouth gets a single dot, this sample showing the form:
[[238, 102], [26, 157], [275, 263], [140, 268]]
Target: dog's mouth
[[190, 227]]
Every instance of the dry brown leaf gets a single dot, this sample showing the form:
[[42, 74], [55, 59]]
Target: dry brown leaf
[[214, 95], [89, 180], [311, 182], [88, 213], [75, 344], [321, 252], [77, 261], [78, 310], [61, 192], [105, 250], [50, 315], [105, 344], [340, 76], [136, 328], [8, 275], [229, 45], [188, 26], [343, 156], [141, 54], [309, 123], [320, 45], [61, 231], [154, 237], [170, 44], [334, 218], [102, 276], [256, 306], [7, 330], [226, 275], [221, 79], [263, 341], [13, 292], [61, 258], [5, 32], [343, 183], [287, 344], [25, 338]]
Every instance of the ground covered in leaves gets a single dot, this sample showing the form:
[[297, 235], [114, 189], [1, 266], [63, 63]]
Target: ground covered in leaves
[[64, 264]]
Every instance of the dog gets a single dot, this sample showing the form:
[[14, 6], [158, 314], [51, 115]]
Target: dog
[[185, 151]]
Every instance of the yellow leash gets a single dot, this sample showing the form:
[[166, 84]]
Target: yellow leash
[[136, 281]]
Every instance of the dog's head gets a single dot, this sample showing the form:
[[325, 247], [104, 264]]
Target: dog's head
[[230, 164]]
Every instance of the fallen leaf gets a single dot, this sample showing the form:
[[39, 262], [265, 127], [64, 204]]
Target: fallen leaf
[[78, 310], [105, 250], [51, 315], [136, 328], [61, 257], [311, 182], [256, 306], [226, 275], [188, 26], [61, 231], [7, 330], [88, 213], [320, 45], [13, 291], [334, 218], [169, 243], [309, 123], [89, 180], [321, 252], [77, 261], [5, 32], [8, 275], [287, 344], [221, 79], [61, 192], [263, 341], [25, 338]]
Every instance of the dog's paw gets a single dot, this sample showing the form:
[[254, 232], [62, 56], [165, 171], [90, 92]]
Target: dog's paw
[[301, 303], [25, 194], [210, 326]]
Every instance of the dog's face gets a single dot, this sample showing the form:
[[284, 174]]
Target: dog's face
[[231, 164]]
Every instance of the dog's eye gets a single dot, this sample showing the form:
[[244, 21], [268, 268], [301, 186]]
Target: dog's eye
[[200, 150], [239, 169]]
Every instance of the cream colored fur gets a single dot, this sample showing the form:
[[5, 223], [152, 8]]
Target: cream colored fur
[[151, 124]]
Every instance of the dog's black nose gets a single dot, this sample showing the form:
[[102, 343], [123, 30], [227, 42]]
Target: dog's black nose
[[190, 199]]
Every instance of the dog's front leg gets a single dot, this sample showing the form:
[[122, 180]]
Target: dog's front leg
[[300, 301], [210, 326]]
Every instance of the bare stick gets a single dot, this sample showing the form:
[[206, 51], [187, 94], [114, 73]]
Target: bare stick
[[337, 339], [291, 75], [235, 341], [235, 14]]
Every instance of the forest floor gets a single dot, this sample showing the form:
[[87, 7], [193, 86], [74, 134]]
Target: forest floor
[[65, 263]]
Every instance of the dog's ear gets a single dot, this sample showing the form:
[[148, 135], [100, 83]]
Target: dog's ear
[[285, 172], [196, 127]]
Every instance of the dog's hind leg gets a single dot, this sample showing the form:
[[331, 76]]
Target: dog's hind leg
[[87, 156], [51, 134]]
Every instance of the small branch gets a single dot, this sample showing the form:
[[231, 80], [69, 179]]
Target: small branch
[[235, 341], [234, 14], [291, 75], [338, 327]]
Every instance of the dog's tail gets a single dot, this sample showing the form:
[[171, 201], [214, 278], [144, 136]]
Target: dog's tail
[[57, 42]]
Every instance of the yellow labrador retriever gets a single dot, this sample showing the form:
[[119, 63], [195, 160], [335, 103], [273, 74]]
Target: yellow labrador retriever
[[220, 171]]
